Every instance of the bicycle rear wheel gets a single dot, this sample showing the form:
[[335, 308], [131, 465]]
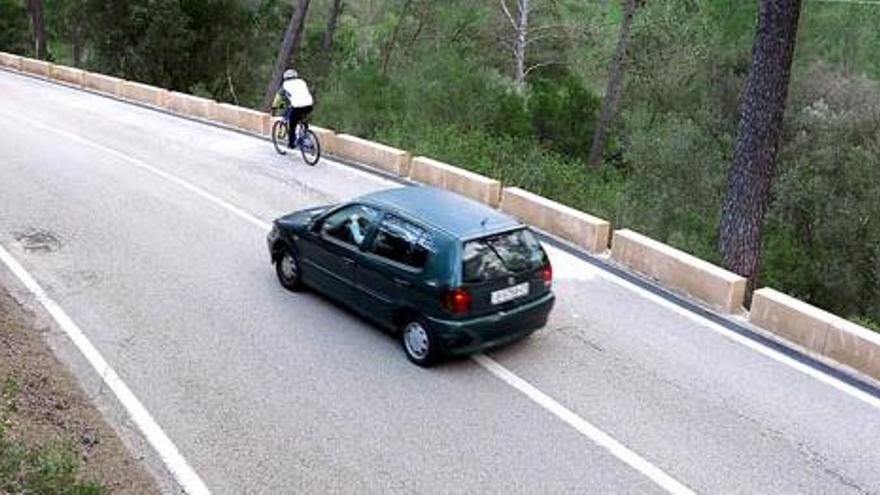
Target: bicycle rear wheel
[[310, 147], [279, 136]]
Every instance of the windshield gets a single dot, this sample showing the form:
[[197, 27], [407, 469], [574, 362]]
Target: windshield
[[502, 255]]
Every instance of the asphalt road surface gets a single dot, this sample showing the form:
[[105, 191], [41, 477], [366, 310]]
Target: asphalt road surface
[[148, 230]]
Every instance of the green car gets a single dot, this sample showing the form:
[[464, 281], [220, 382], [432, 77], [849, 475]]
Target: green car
[[449, 275]]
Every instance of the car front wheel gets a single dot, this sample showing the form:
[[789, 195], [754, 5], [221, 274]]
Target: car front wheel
[[419, 342], [287, 268]]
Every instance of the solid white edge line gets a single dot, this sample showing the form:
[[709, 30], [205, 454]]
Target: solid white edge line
[[597, 436], [171, 457], [765, 351]]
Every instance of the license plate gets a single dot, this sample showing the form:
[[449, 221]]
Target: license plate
[[510, 293]]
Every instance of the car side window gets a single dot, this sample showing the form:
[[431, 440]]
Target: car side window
[[402, 242], [350, 225]]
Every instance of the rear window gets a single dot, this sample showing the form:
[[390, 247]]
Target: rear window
[[502, 255]]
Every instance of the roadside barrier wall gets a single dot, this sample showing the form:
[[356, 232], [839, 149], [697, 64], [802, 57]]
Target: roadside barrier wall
[[10, 61], [377, 155], [192, 106], [793, 320], [679, 271], [68, 75], [817, 330], [144, 93], [36, 67], [104, 84], [464, 182], [575, 226]]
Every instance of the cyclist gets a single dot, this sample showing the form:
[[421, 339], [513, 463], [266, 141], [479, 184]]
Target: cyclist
[[294, 96]]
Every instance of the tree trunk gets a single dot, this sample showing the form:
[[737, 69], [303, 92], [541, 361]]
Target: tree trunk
[[519, 44], [762, 106], [38, 24], [330, 32], [614, 91], [393, 40], [292, 35]]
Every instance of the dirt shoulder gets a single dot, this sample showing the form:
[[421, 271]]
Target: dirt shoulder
[[52, 439]]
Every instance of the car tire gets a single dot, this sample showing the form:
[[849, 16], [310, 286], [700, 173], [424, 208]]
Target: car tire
[[419, 342], [288, 270]]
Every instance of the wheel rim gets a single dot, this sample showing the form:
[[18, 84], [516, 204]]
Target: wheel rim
[[288, 267], [416, 340]]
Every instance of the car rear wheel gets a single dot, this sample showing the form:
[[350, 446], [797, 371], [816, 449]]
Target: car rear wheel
[[419, 342], [287, 268]]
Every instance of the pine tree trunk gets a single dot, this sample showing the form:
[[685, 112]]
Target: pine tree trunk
[[762, 106], [38, 24], [292, 35], [614, 91]]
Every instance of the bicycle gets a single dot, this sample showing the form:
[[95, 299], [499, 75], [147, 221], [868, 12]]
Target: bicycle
[[306, 140]]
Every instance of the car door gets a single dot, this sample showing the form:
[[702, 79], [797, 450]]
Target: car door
[[391, 274], [334, 255]]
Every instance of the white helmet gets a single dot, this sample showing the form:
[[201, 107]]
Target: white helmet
[[290, 74]]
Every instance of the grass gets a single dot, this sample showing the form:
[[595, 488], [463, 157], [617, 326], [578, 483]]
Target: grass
[[50, 469]]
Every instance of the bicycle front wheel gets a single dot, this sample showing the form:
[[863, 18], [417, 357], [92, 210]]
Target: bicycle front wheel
[[310, 148], [279, 136]]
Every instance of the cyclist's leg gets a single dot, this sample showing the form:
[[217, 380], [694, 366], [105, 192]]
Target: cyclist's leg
[[289, 114], [295, 118]]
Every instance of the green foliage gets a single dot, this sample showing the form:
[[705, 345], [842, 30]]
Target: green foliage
[[15, 34], [45, 469], [826, 206], [563, 113]]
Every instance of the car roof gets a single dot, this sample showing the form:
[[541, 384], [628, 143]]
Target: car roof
[[459, 216]]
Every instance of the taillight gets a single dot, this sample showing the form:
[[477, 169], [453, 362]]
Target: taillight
[[547, 275], [457, 301]]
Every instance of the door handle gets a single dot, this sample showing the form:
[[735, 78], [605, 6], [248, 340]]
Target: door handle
[[401, 282], [348, 261]]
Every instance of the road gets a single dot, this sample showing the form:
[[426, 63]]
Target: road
[[146, 229]]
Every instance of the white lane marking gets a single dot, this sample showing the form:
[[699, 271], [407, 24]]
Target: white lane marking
[[586, 429], [179, 467], [747, 342], [507, 376], [149, 168], [570, 269]]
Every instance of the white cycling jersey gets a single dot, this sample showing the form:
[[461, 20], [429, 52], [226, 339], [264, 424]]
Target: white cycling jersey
[[298, 92]]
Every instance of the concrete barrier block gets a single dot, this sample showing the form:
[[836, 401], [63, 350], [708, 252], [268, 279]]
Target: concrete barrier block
[[251, 120], [192, 106], [458, 180], [267, 121], [585, 230], [36, 67], [105, 84], [69, 75], [10, 61], [373, 154], [326, 137], [227, 114], [854, 346], [679, 271], [817, 330], [794, 320], [144, 93]]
